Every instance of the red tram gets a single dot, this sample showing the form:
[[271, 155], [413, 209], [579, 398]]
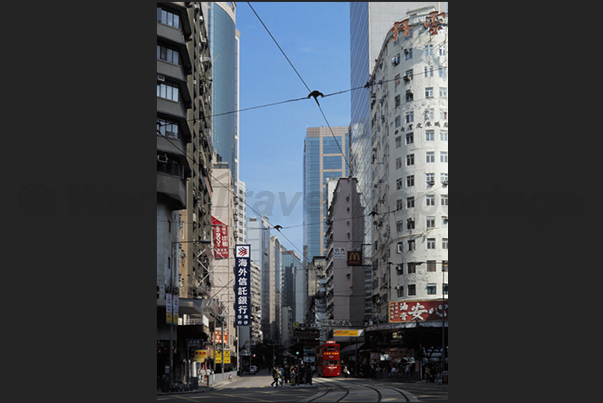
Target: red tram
[[327, 359]]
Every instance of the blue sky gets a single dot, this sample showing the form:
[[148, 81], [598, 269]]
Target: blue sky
[[315, 38]]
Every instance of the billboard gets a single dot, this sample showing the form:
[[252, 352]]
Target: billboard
[[242, 285], [410, 311], [355, 258], [220, 238]]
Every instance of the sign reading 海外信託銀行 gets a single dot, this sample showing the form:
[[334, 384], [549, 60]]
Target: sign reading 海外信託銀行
[[243, 285]]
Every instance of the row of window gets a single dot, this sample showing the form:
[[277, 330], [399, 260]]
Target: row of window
[[167, 91], [168, 55], [443, 91], [429, 136], [167, 128], [429, 180], [168, 18], [427, 51], [409, 117], [411, 289], [429, 158], [429, 223], [430, 244], [429, 201]]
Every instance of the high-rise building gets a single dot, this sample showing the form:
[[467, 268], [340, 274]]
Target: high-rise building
[[325, 156], [409, 125], [275, 296], [369, 23], [183, 167], [224, 46], [295, 285], [345, 272], [222, 211], [258, 237]]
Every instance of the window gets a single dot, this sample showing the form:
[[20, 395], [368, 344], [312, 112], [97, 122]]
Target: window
[[167, 91], [444, 156], [398, 141], [168, 18], [397, 82], [429, 179], [399, 228], [428, 50], [431, 265], [429, 157], [400, 290], [410, 223], [445, 243], [444, 178], [442, 50], [444, 200], [398, 183], [331, 145], [411, 290], [430, 243], [167, 128], [429, 135], [445, 288], [331, 162], [410, 138], [410, 117], [444, 221], [397, 100], [410, 202], [410, 159], [407, 54], [444, 114], [400, 267], [430, 222], [168, 55], [398, 162], [409, 95], [445, 265], [410, 180], [430, 200], [442, 72], [412, 268], [443, 92], [429, 92], [431, 289], [428, 114], [398, 121], [428, 72], [408, 74], [399, 204], [411, 246], [443, 135]]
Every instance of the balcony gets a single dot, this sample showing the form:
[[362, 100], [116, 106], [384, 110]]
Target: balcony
[[173, 187]]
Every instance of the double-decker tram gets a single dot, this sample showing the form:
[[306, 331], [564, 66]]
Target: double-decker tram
[[327, 359]]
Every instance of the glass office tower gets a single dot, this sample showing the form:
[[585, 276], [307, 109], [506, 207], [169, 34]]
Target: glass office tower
[[224, 45], [323, 159]]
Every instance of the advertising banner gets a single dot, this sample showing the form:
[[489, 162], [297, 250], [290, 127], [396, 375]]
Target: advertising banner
[[355, 258], [220, 238], [410, 311], [242, 285]]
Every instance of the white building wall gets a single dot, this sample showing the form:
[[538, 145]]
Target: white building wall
[[391, 149]]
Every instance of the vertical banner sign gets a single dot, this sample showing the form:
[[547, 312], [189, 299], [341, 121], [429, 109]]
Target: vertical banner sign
[[242, 285], [175, 309], [168, 308], [220, 238]]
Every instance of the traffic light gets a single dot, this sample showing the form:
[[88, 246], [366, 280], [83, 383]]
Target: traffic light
[[297, 353]]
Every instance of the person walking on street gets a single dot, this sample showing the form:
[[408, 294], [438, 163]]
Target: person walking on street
[[346, 371], [275, 377], [308, 373]]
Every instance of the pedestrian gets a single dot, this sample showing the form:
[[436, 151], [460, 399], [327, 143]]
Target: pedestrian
[[427, 373], [346, 371], [287, 374], [308, 373], [393, 371], [275, 377]]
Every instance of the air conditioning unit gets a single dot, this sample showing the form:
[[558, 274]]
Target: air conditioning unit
[[162, 158], [445, 217], [445, 183], [160, 77], [432, 182], [406, 78]]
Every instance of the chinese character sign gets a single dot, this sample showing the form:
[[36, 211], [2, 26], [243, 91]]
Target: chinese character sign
[[220, 238], [411, 311], [243, 285]]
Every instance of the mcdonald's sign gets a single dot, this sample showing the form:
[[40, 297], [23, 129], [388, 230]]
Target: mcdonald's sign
[[355, 258]]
